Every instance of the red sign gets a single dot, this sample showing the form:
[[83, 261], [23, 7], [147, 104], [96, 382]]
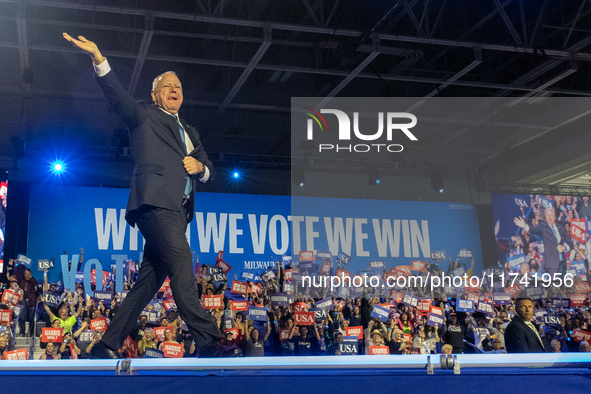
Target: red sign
[[404, 270], [220, 255], [20, 354], [424, 306], [298, 307], [50, 334], [169, 304], [93, 277], [487, 297], [306, 256], [239, 287], [224, 266], [165, 286], [213, 301], [342, 274], [513, 290], [99, 324], [397, 295], [287, 274], [131, 347], [408, 338], [355, 332], [325, 269], [159, 332], [578, 229], [304, 318], [239, 306], [234, 331], [5, 315], [578, 335], [582, 288], [10, 297], [473, 296], [418, 266], [436, 310], [172, 350], [379, 350], [392, 276], [577, 299], [284, 334]]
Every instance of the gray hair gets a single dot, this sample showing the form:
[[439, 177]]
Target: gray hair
[[159, 77]]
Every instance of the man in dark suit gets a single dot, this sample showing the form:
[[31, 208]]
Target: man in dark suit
[[521, 335], [170, 162], [556, 242]]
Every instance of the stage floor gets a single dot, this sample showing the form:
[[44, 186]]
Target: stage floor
[[541, 373]]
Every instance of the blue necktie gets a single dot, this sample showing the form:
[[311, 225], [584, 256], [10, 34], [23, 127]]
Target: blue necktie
[[189, 185]]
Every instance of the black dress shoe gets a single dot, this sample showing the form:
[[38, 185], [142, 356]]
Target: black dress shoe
[[216, 349], [101, 351]]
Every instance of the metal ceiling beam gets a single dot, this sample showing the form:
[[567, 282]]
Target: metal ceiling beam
[[560, 53], [508, 23], [23, 49], [312, 13], [570, 32], [141, 56], [413, 17], [560, 76], [543, 190], [245, 73]]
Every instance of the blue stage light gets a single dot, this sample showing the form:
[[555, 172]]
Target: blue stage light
[[236, 174], [57, 167]]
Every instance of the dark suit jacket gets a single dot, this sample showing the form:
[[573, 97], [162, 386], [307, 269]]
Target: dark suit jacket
[[159, 177], [519, 338], [551, 255]]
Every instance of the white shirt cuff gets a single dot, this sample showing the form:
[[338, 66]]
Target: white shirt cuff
[[102, 69], [205, 177]]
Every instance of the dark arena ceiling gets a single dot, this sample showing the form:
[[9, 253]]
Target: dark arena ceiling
[[241, 62]]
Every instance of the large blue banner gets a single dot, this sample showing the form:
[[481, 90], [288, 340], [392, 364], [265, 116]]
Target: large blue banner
[[254, 230]]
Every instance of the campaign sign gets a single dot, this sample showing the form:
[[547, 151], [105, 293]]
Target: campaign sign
[[473, 296], [288, 287], [514, 290], [424, 305], [24, 260], [247, 275], [319, 314], [46, 264], [279, 299], [105, 296], [257, 313], [582, 288], [286, 259], [343, 258], [304, 318], [305, 266], [169, 304], [552, 319], [284, 334], [324, 304], [410, 300], [287, 274], [376, 264], [355, 332], [324, 255], [213, 301], [217, 275], [268, 275], [436, 310], [151, 315], [348, 346], [578, 229], [380, 312], [131, 347], [535, 293], [153, 353], [418, 266], [405, 270], [438, 255], [435, 319], [159, 332], [86, 336], [16, 311], [172, 350], [379, 350], [10, 297], [465, 306], [225, 267], [306, 255], [515, 261], [228, 323], [239, 306], [578, 336], [79, 277], [325, 268], [539, 315], [50, 299], [239, 287], [50, 334], [20, 354], [298, 307], [98, 324], [465, 253], [577, 299], [484, 307], [123, 295], [460, 271]]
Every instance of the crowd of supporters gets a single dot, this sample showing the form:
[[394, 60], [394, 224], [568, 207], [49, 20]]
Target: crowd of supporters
[[341, 326]]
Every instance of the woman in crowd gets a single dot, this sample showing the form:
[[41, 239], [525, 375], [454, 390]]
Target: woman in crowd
[[48, 355], [255, 345], [68, 349], [148, 341]]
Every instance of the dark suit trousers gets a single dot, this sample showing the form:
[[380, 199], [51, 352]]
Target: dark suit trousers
[[166, 252]]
